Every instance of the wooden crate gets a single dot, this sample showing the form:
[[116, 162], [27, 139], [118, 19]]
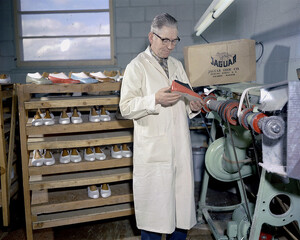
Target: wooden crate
[[56, 195]]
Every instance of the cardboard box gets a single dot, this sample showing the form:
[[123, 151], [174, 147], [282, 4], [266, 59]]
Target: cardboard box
[[221, 62]]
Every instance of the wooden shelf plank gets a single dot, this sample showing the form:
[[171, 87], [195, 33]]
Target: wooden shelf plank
[[74, 199], [82, 127], [84, 215], [80, 166], [79, 140], [82, 178], [48, 102], [70, 88]]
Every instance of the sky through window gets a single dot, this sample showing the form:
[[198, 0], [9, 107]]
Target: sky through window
[[65, 30]]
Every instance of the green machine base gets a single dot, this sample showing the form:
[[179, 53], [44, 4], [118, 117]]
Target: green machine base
[[283, 191]]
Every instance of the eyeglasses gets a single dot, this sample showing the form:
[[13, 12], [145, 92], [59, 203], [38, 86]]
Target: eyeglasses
[[166, 41]]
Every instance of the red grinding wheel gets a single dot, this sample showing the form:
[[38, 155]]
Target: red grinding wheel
[[230, 112], [206, 99], [243, 118], [222, 108], [254, 121]]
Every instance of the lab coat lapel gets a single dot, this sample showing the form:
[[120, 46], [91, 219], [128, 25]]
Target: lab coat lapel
[[154, 62], [172, 70]]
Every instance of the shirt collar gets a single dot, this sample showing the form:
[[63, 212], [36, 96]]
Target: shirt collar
[[159, 59]]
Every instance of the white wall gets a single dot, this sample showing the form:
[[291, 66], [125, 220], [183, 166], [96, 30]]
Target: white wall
[[275, 23]]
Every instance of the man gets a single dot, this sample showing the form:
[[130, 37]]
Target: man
[[163, 182]]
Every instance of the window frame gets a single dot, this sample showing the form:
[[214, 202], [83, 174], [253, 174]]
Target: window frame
[[56, 63]]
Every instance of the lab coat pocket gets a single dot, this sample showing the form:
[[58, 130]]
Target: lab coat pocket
[[153, 149], [154, 125]]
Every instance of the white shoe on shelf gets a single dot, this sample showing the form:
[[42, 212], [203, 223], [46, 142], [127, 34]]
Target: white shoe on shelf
[[99, 76], [89, 154], [104, 115], [64, 156], [113, 75], [76, 116], [99, 154], [75, 155], [105, 190], [4, 79], [93, 191], [115, 152], [37, 158], [82, 77], [48, 158], [37, 119], [48, 118], [64, 118], [126, 152], [94, 116]]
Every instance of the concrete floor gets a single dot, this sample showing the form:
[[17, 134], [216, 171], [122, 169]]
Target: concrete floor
[[117, 229]]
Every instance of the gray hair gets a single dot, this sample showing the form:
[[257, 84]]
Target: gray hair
[[163, 20]]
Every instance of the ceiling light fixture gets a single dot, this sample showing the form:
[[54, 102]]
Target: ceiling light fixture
[[215, 9]]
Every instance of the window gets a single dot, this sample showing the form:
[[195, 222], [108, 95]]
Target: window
[[58, 32]]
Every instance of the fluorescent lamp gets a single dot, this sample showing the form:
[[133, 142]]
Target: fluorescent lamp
[[205, 24], [223, 5], [215, 9]]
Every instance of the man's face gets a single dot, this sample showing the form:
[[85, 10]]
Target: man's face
[[161, 49]]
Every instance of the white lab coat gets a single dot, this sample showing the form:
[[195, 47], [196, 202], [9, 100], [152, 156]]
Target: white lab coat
[[163, 185]]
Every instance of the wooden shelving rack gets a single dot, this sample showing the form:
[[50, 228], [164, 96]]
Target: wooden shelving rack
[[8, 160], [56, 195]]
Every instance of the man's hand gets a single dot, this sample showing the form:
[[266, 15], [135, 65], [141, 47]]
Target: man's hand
[[166, 98], [195, 106]]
